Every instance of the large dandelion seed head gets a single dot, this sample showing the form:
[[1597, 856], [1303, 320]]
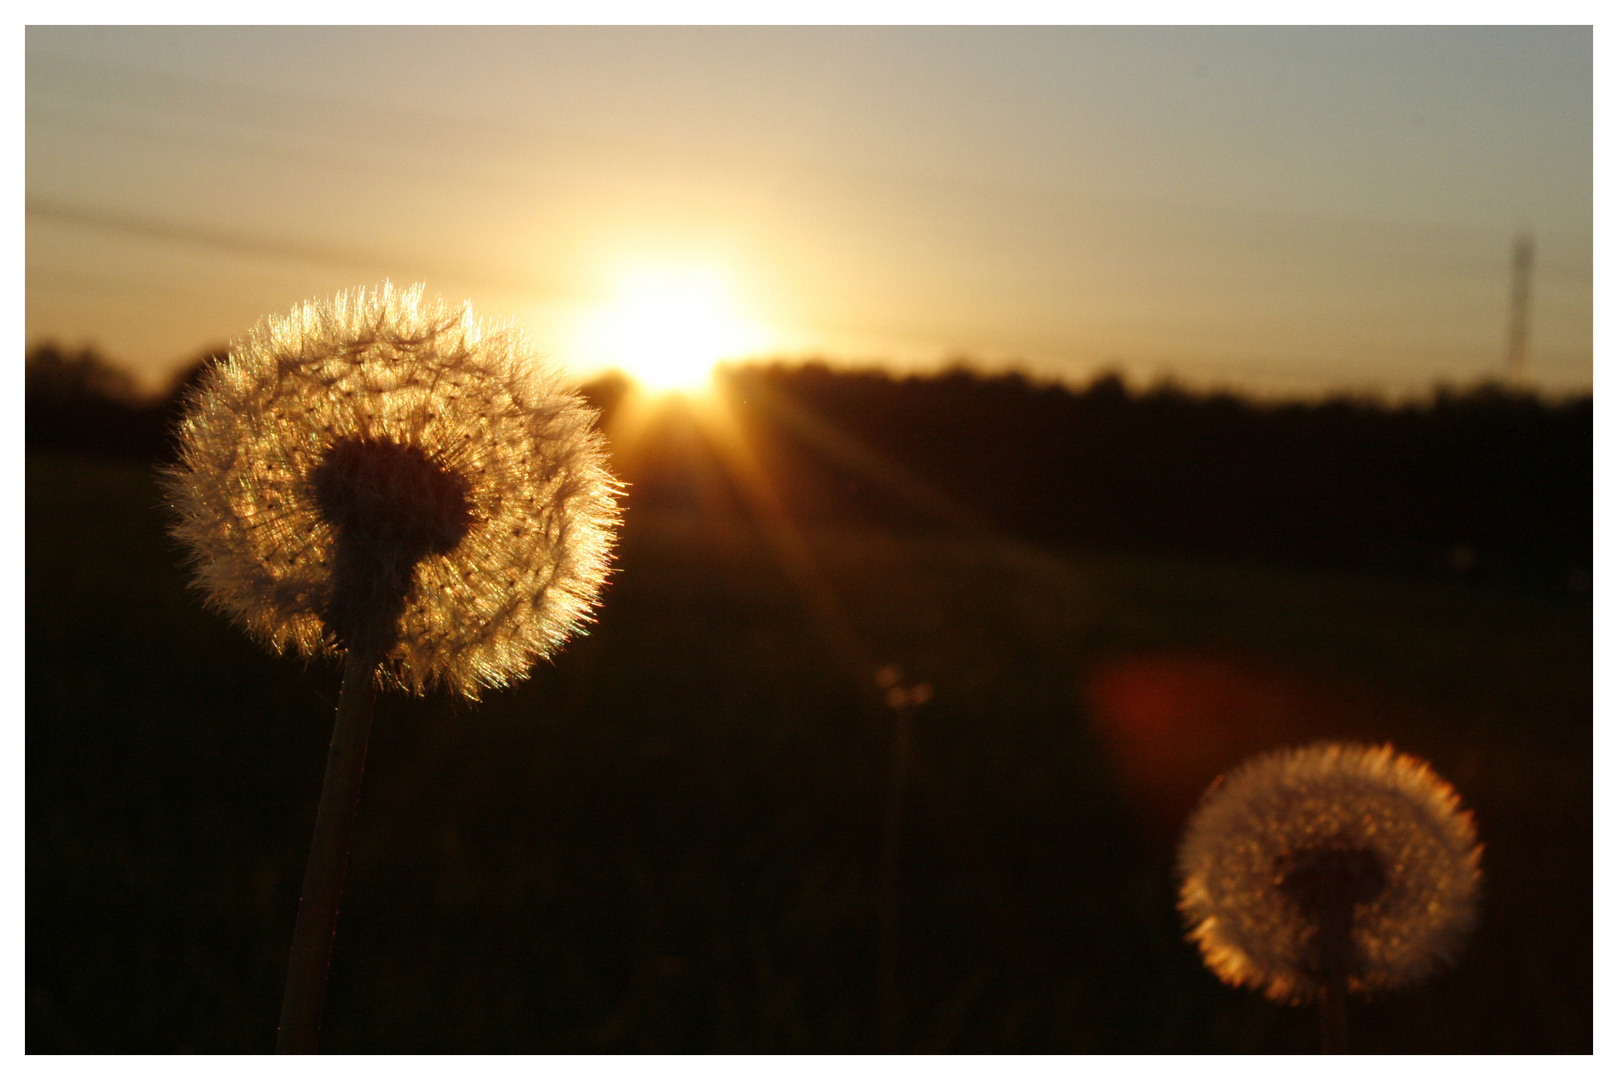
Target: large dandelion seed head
[[1297, 847], [388, 474]]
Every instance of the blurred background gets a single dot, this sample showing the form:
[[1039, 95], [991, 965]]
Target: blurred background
[[1022, 426]]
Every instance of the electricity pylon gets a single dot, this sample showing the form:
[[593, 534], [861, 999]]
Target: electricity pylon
[[1522, 267]]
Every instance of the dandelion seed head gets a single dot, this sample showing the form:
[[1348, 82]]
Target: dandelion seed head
[[382, 471], [1291, 840]]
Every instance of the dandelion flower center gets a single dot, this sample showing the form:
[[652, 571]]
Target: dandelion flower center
[[1330, 877], [390, 505], [1327, 883]]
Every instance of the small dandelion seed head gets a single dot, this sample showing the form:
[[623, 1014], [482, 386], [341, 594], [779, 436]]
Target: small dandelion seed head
[[1297, 844], [385, 473]]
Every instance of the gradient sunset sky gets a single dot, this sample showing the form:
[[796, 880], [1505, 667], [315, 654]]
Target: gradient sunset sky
[[1275, 210]]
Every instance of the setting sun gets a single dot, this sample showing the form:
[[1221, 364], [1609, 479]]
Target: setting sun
[[667, 329]]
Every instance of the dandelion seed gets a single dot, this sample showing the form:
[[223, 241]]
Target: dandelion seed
[[329, 495], [1329, 863]]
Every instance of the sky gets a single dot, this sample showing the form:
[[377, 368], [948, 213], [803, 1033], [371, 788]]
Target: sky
[[1279, 211]]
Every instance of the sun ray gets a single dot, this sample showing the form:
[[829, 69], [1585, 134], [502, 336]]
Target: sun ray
[[731, 441], [736, 452]]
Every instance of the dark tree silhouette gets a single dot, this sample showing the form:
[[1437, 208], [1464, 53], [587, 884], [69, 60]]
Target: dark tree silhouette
[[1488, 482], [81, 402]]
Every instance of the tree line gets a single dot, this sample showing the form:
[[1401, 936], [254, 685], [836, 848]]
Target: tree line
[[1486, 482]]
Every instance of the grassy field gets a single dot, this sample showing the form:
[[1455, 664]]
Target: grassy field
[[669, 838]]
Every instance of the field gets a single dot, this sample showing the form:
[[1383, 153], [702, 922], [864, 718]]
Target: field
[[669, 839]]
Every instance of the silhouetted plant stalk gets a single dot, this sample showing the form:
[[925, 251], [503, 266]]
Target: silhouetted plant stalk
[[395, 483], [1321, 872], [903, 700], [316, 929]]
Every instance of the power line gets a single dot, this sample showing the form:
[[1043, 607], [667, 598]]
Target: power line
[[260, 245]]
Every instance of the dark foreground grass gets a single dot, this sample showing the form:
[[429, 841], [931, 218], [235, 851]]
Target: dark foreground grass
[[668, 839]]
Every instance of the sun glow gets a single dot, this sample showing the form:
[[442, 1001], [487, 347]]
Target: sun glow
[[667, 329]]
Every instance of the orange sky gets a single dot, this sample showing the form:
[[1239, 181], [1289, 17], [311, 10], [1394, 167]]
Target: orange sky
[[1276, 210]]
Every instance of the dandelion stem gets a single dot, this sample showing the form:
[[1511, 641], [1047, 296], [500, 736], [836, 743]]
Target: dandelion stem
[[328, 859], [1336, 943], [889, 955], [1334, 1017]]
